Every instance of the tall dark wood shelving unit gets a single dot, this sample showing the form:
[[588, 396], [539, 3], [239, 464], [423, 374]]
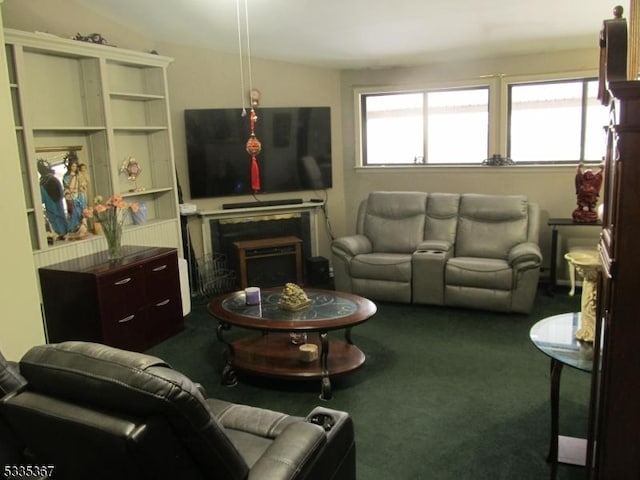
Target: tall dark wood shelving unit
[[613, 446]]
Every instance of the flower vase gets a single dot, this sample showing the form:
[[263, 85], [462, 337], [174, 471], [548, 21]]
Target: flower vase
[[139, 215], [114, 242]]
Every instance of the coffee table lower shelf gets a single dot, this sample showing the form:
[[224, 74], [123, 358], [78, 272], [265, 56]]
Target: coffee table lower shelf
[[274, 355]]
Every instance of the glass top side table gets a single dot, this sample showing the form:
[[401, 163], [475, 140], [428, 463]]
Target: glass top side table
[[555, 337]]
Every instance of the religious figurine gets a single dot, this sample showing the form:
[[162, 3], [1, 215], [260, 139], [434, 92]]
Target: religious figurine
[[588, 185], [76, 202], [52, 198]]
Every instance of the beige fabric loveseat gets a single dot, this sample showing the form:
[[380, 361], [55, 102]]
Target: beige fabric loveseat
[[469, 250]]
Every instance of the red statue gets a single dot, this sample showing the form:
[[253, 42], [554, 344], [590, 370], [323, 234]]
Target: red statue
[[588, 185]]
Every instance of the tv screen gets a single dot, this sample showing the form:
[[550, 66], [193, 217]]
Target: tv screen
[[295, 155]]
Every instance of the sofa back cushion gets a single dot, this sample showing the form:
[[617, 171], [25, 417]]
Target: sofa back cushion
[[490, 225], [442, 217], [394, 221]]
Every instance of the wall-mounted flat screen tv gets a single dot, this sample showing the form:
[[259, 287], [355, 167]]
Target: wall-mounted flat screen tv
[[295, 155]]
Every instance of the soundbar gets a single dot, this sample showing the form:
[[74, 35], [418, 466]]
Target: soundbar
[[265, 203]]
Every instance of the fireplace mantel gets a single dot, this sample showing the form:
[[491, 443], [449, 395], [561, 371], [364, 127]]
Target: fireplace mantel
[[247, 213]]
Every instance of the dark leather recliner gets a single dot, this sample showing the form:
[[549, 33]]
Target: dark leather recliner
[[11, 451], [98, 412]]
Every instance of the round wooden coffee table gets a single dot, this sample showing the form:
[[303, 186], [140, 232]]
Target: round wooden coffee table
[[273, 353]]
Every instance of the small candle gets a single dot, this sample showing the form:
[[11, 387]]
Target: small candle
[[252, 295], [308, 352]]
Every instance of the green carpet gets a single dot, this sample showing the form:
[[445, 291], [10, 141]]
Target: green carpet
[[444, 393]]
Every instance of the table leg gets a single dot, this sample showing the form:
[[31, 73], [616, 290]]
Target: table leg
[[552, 458], [325, 392], [347, 335], [554, 254], [228, 373]]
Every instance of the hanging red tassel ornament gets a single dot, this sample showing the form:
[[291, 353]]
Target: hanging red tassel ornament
[[253, 148]]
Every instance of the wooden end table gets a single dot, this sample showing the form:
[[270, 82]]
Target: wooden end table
[[250, 250]]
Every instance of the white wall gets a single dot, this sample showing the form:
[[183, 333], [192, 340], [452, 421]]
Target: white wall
[[20, 321]]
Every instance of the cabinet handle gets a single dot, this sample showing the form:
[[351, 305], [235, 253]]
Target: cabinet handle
[[126, 319], [123, 281], [163, 303], [160, 268]]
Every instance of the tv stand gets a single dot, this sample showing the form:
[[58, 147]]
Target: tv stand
[[264, 203]]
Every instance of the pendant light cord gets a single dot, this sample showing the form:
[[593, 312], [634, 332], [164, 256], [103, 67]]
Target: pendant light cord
[[246, 21], [244, 110], [248, 37]]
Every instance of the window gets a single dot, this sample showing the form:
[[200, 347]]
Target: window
[[425, 127], [533, 120], [556, 121]]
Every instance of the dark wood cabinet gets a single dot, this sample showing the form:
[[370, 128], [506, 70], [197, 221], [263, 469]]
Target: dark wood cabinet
[[132, 304], [613, 449]]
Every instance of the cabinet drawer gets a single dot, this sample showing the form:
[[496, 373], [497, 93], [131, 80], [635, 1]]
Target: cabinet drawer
[[120, 294], [161, 278], [129, 332], [165, 317]]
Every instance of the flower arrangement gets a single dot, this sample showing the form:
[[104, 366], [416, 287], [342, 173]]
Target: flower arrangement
[[110, 216]]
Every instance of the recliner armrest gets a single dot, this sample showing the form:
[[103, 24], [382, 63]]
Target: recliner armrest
[[338, 418], [525, 253], [293, 451], [351, 246]]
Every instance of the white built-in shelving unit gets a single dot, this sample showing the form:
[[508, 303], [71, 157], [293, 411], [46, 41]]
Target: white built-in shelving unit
[[113, 104]]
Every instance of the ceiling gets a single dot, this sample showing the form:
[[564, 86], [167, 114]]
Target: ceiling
[[367, 33]]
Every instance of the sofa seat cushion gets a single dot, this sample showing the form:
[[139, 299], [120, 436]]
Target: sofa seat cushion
[[487, 273], [395, 267]]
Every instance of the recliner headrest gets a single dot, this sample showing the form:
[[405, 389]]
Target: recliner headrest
[[107, 378]]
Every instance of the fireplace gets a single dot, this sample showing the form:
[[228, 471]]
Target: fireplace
[[225, 231], [220, 228]]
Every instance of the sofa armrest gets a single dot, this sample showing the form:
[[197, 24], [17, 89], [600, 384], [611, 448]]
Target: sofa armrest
[[351, 246], [293, 451], [525, 255], [434, 246]]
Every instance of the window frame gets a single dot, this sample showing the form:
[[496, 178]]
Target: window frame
[[498, 85], [361, 92], [583, 77]]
